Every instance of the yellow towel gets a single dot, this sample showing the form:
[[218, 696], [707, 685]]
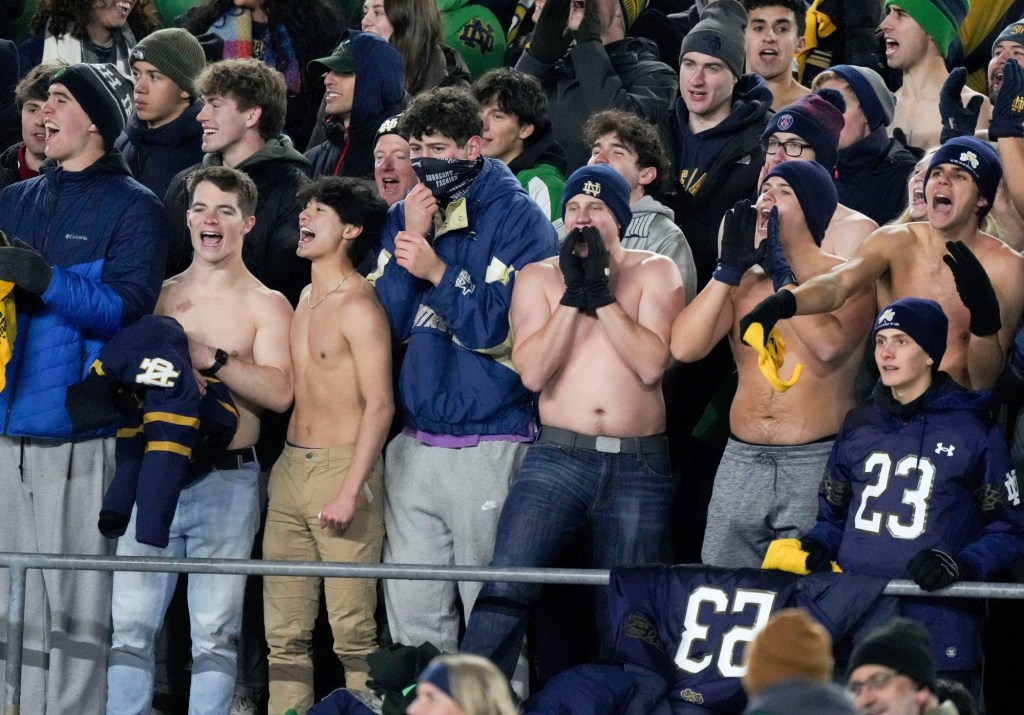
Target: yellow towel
[[7, 329], [786, 555], [818, 25], [770, 356]]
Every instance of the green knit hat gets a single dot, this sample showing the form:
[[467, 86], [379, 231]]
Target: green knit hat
[[176, 53], [941, 19]]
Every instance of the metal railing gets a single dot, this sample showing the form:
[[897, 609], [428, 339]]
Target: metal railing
[[19, 564]]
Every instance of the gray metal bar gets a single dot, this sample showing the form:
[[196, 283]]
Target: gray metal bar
[[15, 640], [586, 577], [18, 563]]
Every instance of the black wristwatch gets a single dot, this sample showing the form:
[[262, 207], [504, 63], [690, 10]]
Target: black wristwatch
[[220, 358]]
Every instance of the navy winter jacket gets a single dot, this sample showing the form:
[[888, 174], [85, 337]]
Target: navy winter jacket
[[457, 377]]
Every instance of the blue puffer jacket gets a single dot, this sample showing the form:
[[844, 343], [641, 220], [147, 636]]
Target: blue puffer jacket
[[105, 235], [457, 377]]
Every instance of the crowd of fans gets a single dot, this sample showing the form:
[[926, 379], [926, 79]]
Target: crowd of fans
[[731, 285]]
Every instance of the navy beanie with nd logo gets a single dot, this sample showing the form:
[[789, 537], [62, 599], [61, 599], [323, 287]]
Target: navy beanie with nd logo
[[602, 182]]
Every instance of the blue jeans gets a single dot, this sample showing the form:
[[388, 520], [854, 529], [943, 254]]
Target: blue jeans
[[216, 517], [625, 498]]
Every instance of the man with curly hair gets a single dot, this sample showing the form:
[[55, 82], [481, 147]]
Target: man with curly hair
[[91, 31], [449, 256]]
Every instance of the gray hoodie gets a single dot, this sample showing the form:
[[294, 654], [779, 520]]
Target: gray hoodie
[[653, 229]]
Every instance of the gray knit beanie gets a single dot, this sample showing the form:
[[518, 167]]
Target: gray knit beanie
[[719, 34]]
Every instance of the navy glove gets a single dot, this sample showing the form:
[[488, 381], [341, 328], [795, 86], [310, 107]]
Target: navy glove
[[24, 266], [595, 269], [773, 260], [1008, 110], [932, 569], [550, 41], [975, 288], [818, 556], [572, 272], [957, 120], [590, 25], [738, 253], [776, 307]]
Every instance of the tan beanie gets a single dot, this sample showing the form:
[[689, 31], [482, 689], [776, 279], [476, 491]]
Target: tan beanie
[[792, 645]]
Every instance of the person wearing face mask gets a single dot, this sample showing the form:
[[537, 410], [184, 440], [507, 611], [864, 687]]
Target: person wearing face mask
[[448, 260]]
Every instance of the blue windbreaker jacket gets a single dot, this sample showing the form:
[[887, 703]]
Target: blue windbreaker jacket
[[457, 377]]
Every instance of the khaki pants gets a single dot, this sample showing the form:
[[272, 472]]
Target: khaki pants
[[301, 483]]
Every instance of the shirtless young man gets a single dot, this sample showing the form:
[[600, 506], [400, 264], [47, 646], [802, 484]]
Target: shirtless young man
[[238, 330], [810, 128], [774, 35], [981, 290], [917, 35], [767, 484], [327, 488], [591, 336]]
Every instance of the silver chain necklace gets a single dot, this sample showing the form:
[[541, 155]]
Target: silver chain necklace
[[333, 290]]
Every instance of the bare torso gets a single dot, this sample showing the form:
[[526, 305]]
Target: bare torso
[[787, 92], [919, 118], [846, 231], [916, 269], [328, 404], [595, 392], [222, 316], [815, 406], [1011, 223]]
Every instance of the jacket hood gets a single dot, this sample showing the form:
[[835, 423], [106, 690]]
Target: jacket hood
[[179, 131], [278, 150], [647, 204], [380, 77], [494, 183], [751, 102], [541, 150], [944, 395]]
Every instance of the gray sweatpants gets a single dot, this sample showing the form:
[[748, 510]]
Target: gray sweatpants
[[52, 493], [442, 508], [761, 493]]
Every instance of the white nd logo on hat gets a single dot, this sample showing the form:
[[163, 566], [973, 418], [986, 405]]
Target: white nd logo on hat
[[592, 187]]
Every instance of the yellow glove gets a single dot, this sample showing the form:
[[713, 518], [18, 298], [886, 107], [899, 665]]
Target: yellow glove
[[771, 356], [7, 329], [786, 555]]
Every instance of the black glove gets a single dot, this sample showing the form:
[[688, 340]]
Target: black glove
[[932, 569], [590, 25], [572, 271], [22, 265], [550, 41], [595, 268], [974, 287], [738, 253], [1008, 110], [773, 259], [818, 557], [776, 307], [957, 120]]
